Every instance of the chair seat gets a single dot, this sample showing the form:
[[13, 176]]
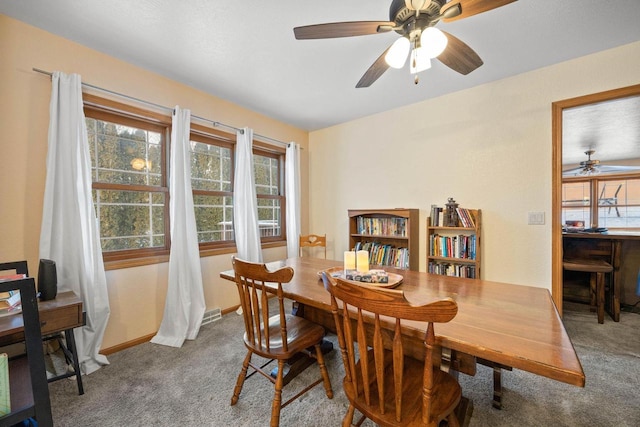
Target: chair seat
[[587, 265], [301, 334], [445, 386]]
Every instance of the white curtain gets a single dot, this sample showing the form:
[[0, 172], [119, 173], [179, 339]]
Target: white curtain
[[245, 205], [69, 234], [292, 189], [184, 306]]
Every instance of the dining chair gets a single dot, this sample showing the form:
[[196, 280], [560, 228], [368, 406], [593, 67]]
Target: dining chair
[[278, 337], [313, 240], [382, 381]]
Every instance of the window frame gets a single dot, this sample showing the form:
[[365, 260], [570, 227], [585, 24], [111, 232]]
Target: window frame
[[594, 196], [279, 155], [104, 109], [210, 136], [98, 107]]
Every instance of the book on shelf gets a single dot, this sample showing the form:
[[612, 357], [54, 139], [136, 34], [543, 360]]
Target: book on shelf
[[460, 246], [465, 217], [437, 216], [455, 270], [385, 254], [382, 226]]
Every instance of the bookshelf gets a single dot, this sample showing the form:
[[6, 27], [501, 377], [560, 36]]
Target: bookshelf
[[390, 235], [455, 251]]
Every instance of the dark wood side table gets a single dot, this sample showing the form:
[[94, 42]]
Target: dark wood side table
[[61, 314]]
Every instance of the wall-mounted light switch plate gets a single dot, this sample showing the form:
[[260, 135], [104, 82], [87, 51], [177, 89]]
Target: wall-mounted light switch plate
[[536, 218]]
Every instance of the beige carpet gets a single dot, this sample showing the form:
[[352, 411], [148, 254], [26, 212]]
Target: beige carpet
[[153, 385]]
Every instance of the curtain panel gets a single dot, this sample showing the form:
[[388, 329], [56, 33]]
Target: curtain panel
[[292, 193], [185, 305], [245, 205], [69, 233]]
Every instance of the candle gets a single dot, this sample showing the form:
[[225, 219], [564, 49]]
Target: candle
[[362, 261], [349, 260]]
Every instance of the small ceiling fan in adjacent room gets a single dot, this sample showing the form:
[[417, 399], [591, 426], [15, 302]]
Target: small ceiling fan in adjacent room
[[593, 167], [414, 21]]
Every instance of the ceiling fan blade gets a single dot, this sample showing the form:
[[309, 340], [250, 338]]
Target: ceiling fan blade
[[601, 169], [471, 7], [342, 29], [459, 56], [375, 71]]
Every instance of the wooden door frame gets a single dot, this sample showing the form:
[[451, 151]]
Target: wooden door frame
[[556, 204]]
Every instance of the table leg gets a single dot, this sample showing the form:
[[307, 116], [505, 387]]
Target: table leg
[[71, 345], [497, 380]]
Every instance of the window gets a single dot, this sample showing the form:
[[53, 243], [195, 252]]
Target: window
[[211, 181], [269, 190], [129, 151], [618, 202], [129, 183]]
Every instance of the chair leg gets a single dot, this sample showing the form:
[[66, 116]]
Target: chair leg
[[593, 291], [600, 296], [452, 420], [323, 372], [277, 396], [241, 378], [347, 421]]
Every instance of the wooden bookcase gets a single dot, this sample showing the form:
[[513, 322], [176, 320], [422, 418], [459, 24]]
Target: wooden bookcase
[[445, 248], [27, 374], [388, 234]]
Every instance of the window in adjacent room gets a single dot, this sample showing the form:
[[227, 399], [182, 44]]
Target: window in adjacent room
[[618, 202]]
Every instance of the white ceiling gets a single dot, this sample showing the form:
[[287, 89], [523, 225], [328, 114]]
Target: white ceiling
[[245, 51]]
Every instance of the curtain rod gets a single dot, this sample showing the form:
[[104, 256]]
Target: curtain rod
[[213, 122]]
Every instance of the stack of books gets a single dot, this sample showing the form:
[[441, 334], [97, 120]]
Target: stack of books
[[10, 301]]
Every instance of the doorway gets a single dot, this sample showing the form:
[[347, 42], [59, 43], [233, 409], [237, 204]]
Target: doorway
[[557, 161]]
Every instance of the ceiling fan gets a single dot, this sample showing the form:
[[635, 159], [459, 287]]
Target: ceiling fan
[[415, 21], [593, 167]]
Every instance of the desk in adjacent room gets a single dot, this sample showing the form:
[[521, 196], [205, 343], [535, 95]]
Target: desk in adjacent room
[[61, 314], [508, 325]]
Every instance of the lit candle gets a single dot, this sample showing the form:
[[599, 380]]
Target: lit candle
[[349, 260], [362, 261]]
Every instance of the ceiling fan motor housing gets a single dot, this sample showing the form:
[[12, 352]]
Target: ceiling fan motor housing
[[399, 12]]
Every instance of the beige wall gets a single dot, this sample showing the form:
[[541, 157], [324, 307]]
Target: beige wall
[[489, 147], [136, 295]]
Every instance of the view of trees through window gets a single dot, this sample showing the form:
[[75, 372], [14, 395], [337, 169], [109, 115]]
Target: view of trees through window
[[130, 191], [268, 190], [211, 178]]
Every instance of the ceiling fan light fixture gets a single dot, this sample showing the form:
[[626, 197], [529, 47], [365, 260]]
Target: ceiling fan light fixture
[[420, 61], [433, 41], [398, 52]]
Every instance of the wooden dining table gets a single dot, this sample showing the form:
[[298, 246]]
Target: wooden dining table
[[499, 324]]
